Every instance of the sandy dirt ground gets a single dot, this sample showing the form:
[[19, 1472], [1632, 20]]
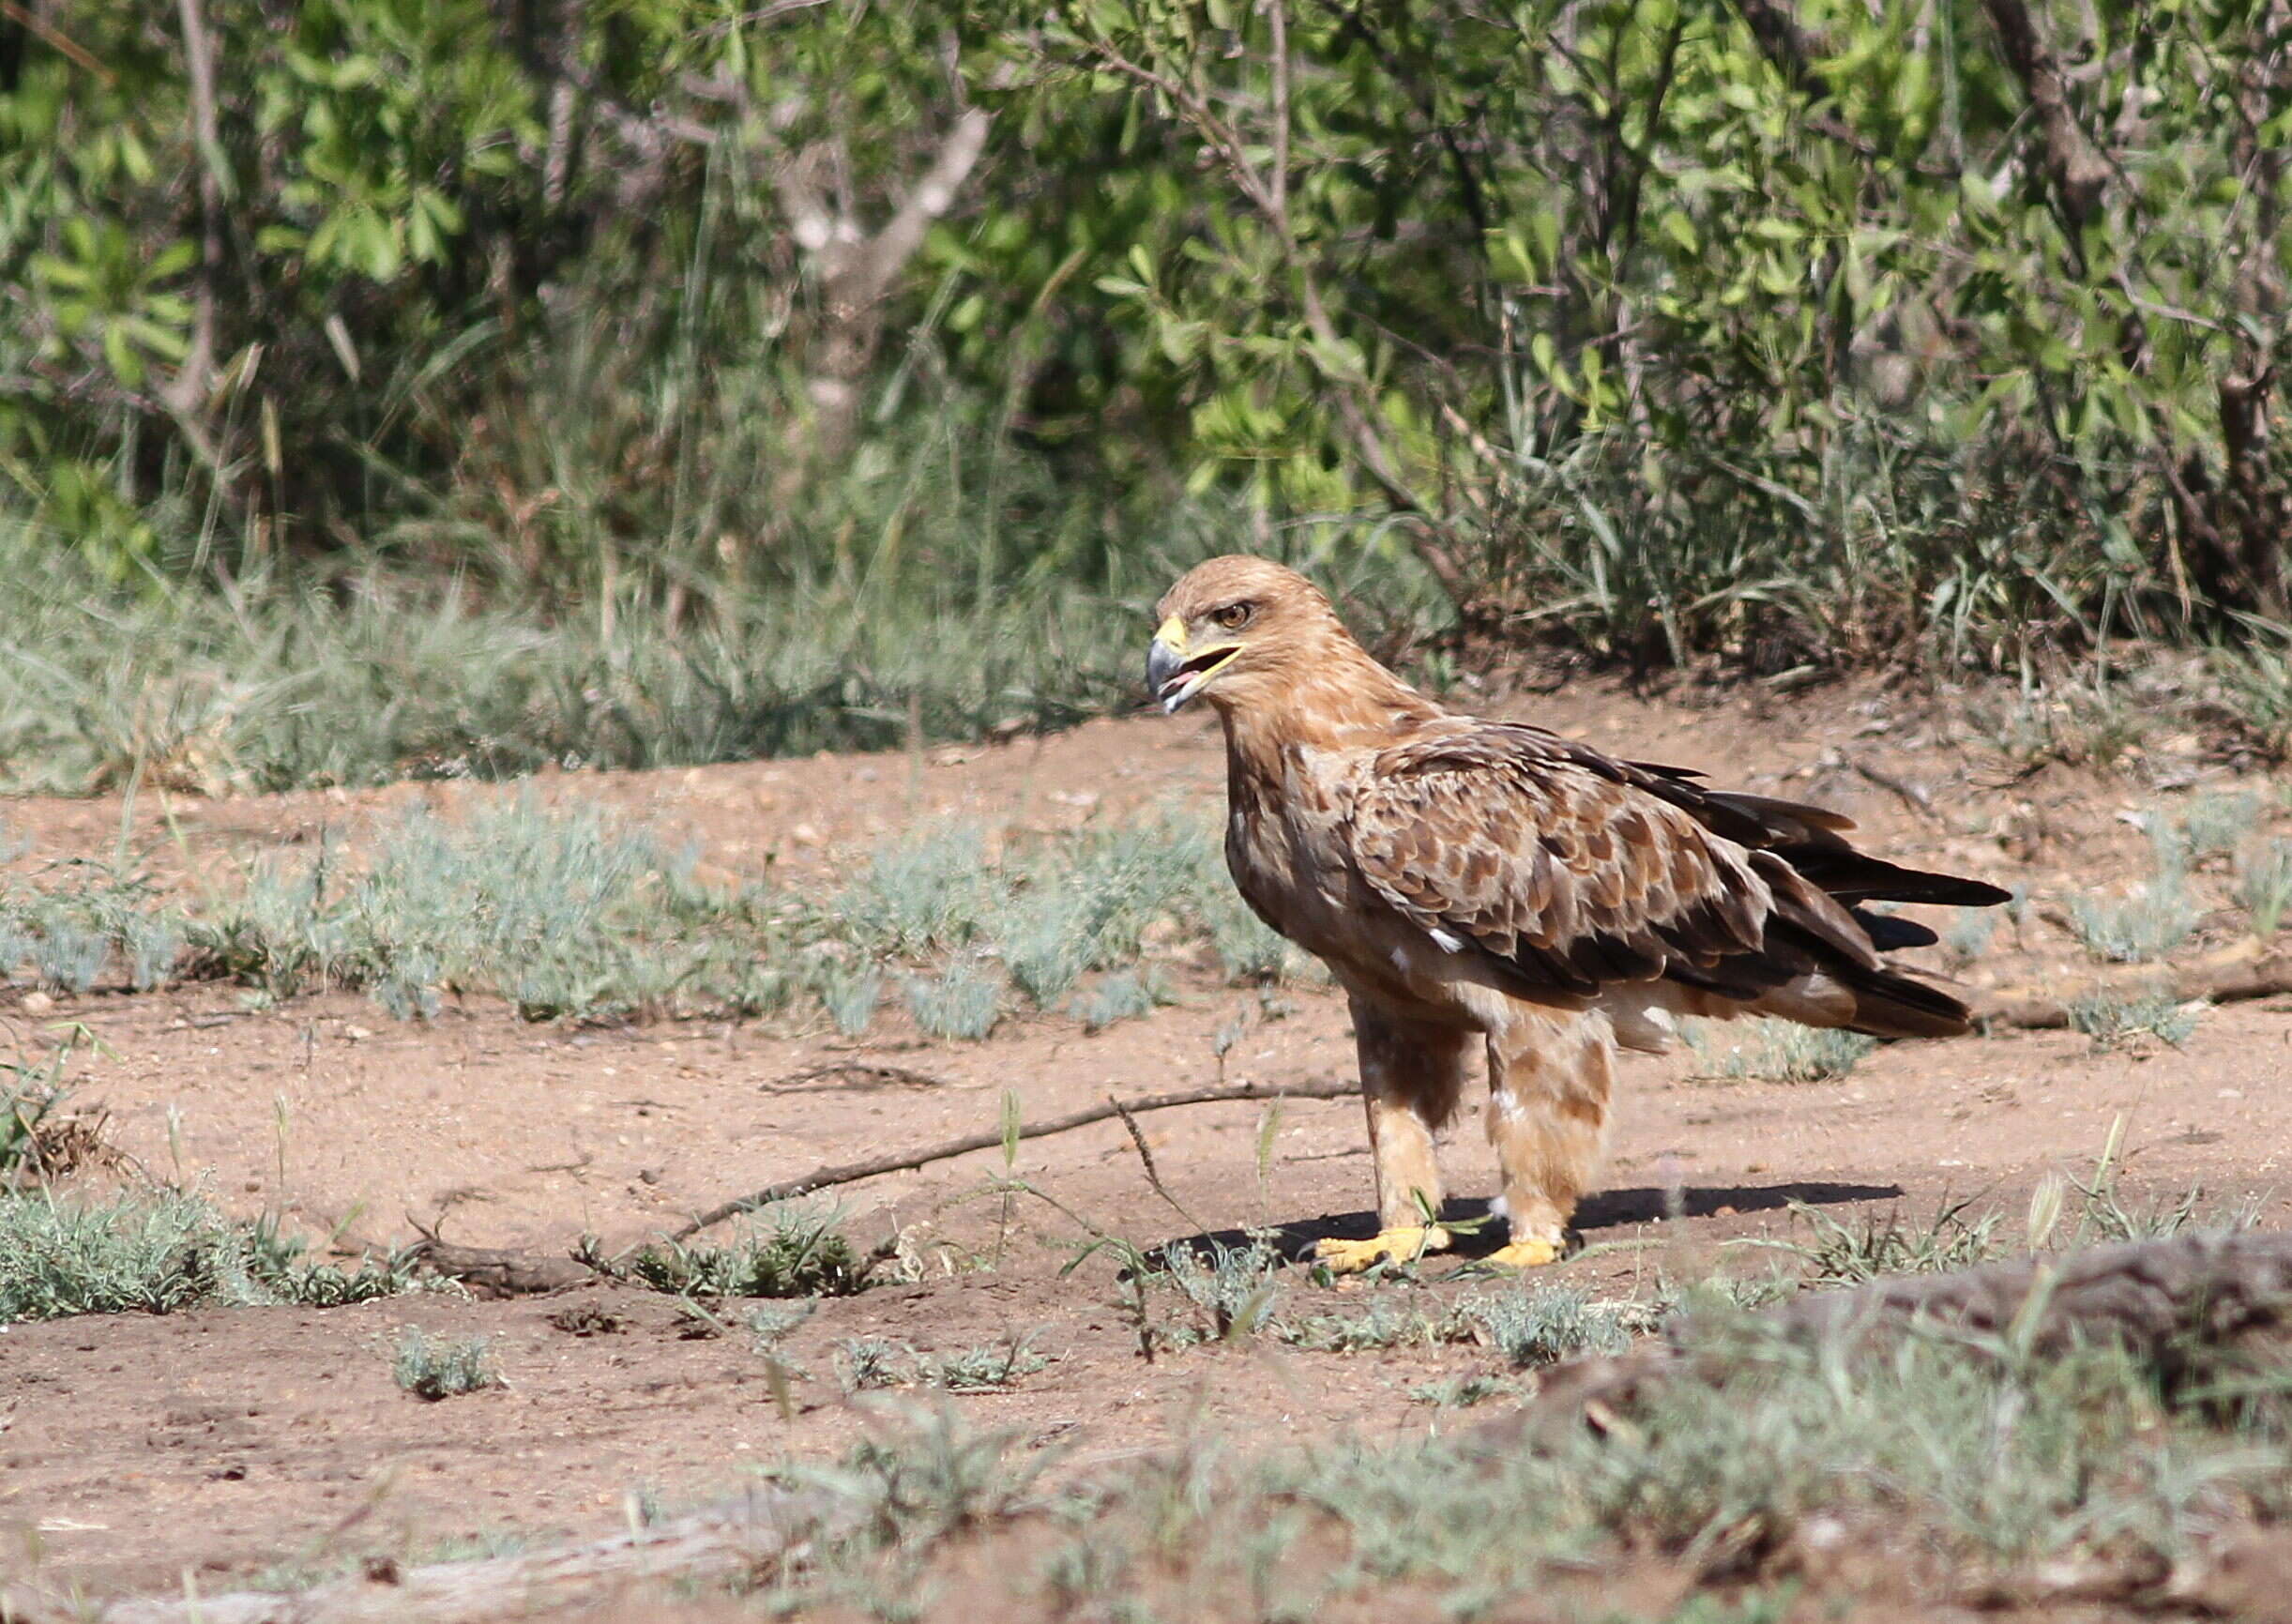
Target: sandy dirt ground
[[245, 1445]]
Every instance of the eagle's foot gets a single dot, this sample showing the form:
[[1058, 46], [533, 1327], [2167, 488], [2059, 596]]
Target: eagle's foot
[[1405, 1245], [1529, 1254]]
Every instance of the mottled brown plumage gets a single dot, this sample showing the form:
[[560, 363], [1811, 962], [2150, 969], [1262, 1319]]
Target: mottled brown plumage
[[1466, 877]]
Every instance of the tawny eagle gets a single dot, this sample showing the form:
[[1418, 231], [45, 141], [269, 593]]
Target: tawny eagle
[[1467, 880]]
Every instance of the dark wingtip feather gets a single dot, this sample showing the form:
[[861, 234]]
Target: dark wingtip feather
[[1889, 933], [1887, 1004]]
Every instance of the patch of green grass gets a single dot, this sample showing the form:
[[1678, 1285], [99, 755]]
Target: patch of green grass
[[867, 1362], [1968, 935], [569, 913], [922, 893], [993, 1367], [1234, 1291], [77, 920], [1852, 1251], [1933, 1450], [1760, 1050], [2113, 1021], [161, 1253], [2263, 885], [850, 997], [962, 1001], [2158, 917], [2215, 825], [783, 1251], [437, 1368], [1121, 996], [372, 675], [1541, 1324]]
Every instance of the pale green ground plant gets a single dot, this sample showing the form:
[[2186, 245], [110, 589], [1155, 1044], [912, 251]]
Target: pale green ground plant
[[864, 1363], [1119, 995], [1990, 1464], [1968, 935], [779, 1252], [2158, 917], [160, 1252], [72, 922], [2117, 1020], [2263, 885], [1759, 1050], [2215, 825], [433, 1367], [991, 1367], [962, 1001], [1854, 1251], [570, 912]]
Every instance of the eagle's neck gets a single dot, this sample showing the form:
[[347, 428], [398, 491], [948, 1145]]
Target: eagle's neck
[[1342, 700]]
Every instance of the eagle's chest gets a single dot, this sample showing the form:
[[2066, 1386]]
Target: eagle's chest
[[1285, 844]]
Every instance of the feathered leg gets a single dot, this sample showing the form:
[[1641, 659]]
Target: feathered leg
[[1412, 1077], [1549, 1075]]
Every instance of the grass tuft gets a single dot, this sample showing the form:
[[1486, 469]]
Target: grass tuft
[[1234, 1290], [2263, 885], [1542, 1324], [1760, 1050], [1850, 1253], [437, 1368], [991, 1367], [566, 913], [162, 1254], [2157, 918], [962, 1001], [2114, 1022], [785, 1252]]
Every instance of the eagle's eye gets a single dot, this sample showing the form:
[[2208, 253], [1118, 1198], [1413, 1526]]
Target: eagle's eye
[[1234, 617]]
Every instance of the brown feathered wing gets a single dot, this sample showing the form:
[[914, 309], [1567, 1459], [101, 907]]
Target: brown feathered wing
[[1571, 872]]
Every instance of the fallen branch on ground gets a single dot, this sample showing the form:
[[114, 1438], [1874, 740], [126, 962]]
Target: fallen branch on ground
[[2164, 1301], [2249, 970], [852, 1172], [513, 1273], [717, 1546], [492, 1273]]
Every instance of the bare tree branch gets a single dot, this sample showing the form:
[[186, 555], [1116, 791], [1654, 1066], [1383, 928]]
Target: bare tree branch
[[187, 392], [2075, 169]]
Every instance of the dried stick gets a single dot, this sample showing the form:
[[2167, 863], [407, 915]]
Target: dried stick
[[852, 1172]]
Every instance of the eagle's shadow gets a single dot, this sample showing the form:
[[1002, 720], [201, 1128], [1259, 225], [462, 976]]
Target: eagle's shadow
[[1484, 1232]]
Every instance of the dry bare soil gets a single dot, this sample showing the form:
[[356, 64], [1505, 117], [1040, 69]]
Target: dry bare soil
[[227, 1446]]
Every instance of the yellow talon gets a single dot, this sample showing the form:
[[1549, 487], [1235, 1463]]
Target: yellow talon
[[1390, 1246], [1524, 1254]]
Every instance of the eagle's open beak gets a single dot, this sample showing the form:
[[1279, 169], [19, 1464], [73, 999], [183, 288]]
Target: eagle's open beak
[[1175, 674]]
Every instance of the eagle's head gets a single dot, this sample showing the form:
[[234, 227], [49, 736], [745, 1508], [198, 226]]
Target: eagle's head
[[1239, 627]]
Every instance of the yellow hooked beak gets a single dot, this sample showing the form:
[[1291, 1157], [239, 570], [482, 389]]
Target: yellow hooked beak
[[1176, 675]]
